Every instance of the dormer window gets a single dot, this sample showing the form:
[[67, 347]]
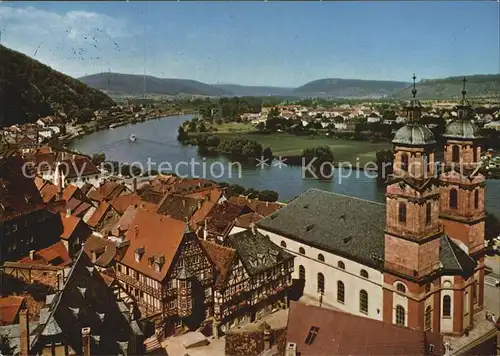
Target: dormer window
[[159, 262], [139, 252]]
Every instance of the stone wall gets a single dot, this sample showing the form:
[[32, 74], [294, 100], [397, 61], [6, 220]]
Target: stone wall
[[248, 343]]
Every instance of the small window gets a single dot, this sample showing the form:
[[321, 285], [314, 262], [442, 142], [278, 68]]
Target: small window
[[14, 227], [311, 336], [363, 273], [321, 283], [341, 265], [401, 287], [428, 319], [321, 257], [428, 213], [404, 162], [283, 244], [402, 212], [302, 273], [453, 198], [455, 154], [446, 306], [363, 302], [400, 315], [302, 251], [476, 199], [340, 292]]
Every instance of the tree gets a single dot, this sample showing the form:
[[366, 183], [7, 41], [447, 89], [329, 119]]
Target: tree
[[267, 153], [260, 126], [98, 158], [5, 348], [268, 195], [181, 134], [492, 226]]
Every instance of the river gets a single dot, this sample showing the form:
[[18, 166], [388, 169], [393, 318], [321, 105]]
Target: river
[[157, 142]]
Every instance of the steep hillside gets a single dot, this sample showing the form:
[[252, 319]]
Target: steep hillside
[[350, 88], [30, 89], [449, 88], [132, 84], [245, 90]]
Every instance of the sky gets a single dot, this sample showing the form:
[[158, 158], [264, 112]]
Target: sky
[[259, 43]]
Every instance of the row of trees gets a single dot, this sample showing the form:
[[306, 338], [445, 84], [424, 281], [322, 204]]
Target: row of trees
[[236, 148], [251, 193]]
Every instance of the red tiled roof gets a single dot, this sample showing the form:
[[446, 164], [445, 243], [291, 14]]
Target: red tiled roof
[[104, 249], [201, 214], [212, 195], [221, 218], [68, 191], [78, 166], [55, 255], [48, 192], [122, 202], [222, 257], [69, 225], [9, 309], [160, 236], [260, 207], [247, 220], [347, 334], [98, 214]]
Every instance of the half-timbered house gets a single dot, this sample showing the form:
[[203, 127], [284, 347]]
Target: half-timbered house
[[168, 272]]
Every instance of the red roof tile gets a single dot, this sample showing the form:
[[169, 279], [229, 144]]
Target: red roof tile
[[98, 214], [104, 249], [221, 218], [54, 255], [223, 258], [247, 220], [159, 236], [9, 309], [260, 207], [69, 225], [341, 333], [122, 202], [201, 214]]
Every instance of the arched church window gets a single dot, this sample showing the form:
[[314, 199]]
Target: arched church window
[[446, 306], [341, 265], [455, 154], [404, 162], [428, 213], [476, 199], [402, 212], [363, 301], [340, 292], [363, 273], [453, 198], [321, 283], [428, 319], [302, 273], [400, 315]]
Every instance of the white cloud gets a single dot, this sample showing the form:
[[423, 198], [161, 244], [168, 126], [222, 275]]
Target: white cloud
[[75, 42]]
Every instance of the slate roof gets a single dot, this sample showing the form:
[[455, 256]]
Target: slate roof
[[341, 333], [256, 251], [351, 227], [83, 297]]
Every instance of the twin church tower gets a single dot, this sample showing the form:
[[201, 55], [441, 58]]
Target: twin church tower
[[434, 237]]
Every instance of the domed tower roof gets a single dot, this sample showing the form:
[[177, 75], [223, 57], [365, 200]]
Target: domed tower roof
[[463, 127], [414, 134]]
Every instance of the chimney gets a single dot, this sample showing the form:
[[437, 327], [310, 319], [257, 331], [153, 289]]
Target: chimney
[[267, 203], [32, 255], [291, 349], [94, 255], [199, 204], [24, 330], [68, 213], [86, 341], [134, 185], [59, 182], [106, 234], [254, 230], [136, 231]]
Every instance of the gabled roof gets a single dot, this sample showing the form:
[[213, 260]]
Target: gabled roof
[[212, 195], [223, 258], [84, 301], [69, 224], [54, 255], [340, 333], [178, 207], [122, 202], [221, 218], [201, 214], [9, 309], [104, 249], [260, 207], [256, 251], [246, 220], [107, 191], [155, 236], [98, 214]]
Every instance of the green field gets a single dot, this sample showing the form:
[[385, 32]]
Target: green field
[[291, 145]]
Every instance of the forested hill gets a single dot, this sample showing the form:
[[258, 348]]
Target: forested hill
[[30, 90], [478, 86], [133, 84]]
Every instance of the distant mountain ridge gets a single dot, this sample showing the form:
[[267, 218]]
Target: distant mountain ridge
[[441, 88], [30, 89]]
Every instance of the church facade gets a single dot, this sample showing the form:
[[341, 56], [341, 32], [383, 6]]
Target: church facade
[[416, 261]]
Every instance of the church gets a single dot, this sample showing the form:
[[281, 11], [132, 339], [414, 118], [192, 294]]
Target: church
[[415, 261]]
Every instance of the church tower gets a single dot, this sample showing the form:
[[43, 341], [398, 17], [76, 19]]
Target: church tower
[[462, 211], [413, 231]]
